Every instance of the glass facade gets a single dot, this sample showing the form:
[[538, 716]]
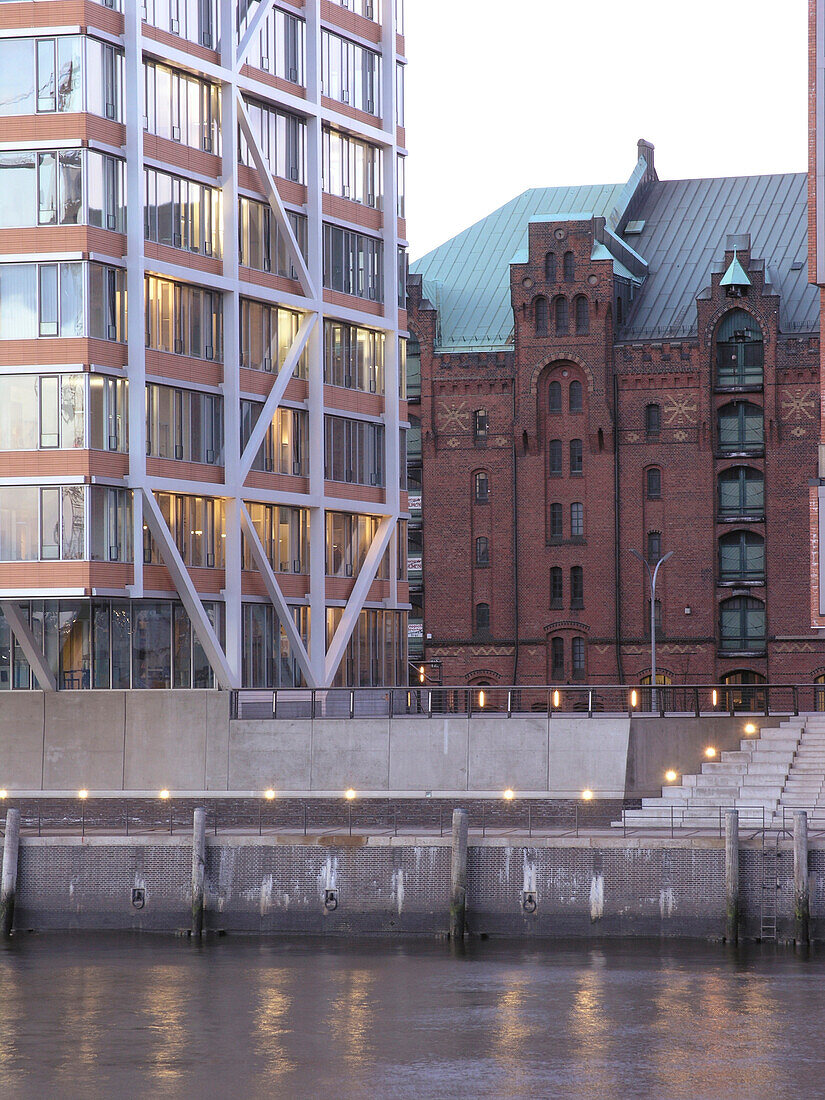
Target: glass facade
[[62, 187]]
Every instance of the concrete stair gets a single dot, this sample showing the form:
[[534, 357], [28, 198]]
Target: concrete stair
[[782, 768]]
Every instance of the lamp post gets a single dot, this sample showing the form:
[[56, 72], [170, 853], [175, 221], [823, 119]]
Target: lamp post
[[652, 574]]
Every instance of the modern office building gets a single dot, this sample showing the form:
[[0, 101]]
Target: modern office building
[[202, 266], [616, 368]]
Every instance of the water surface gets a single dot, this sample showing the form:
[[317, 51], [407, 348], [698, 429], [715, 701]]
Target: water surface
[[125, 1016]]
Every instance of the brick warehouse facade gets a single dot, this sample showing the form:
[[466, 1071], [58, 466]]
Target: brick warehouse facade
[[615, 369], [816, 272]]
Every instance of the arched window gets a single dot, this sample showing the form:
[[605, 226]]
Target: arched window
[[742, 492], [582, 311], [541, 316], [577, 586], [556, 586], [480, 425], [742, 557], [556, 521], [819, 694], [550, 267], [557, 658], [741, 427], [569, 267], [554, 397], [560, 311], [576, 457], [577, 658], [653, 419], [739, 350], [654, 547], [654, 483], [576, 397], [482, 551], [482, 617], [482, 486], [742, 624], [554, 457], [741, 696], [576, 520]]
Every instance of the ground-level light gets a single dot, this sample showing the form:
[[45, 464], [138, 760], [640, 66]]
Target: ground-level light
[[671, 776], [270, 794], [350, 794], [710, 752], [587, 795], [508, 794]]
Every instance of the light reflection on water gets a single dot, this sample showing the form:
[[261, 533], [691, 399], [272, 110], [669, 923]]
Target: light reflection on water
[[121, 1016]]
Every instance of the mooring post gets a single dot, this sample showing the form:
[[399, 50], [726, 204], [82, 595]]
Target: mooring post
[[198, 867], [458, 876], [8, 889], [732, 875], [801, 893]]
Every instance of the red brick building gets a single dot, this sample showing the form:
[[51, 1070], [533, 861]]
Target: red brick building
[[616, 368]]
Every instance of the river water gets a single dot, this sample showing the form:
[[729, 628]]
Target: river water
[[121, 1016]]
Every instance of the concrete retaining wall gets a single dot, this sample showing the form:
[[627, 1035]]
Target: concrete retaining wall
[[587, 888], [144, 741]]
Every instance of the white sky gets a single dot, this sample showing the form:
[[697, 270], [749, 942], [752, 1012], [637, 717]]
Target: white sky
[[511, 94]]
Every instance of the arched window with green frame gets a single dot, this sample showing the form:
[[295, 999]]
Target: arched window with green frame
[[742, 624], [741, 557], [739, 350], [741, 427]]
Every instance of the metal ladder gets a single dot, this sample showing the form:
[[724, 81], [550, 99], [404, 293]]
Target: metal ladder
[[770, 885]]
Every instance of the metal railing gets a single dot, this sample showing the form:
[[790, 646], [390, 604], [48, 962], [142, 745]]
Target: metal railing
[[578, 700]]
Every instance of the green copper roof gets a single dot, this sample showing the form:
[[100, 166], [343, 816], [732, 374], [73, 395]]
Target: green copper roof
[[735, 275], [468, 277]]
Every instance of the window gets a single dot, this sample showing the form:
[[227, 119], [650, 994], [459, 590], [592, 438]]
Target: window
[[281, 139], [742, 624], [480, 426], [48, 188], [556, 521], [263, 244], [739, 350], [657, 613], [554, 397], [183, 319], [348, 539], [184, 424], [541, 316], [267, 333], [653, 419], [65, 299], [482, 487], [576, 520], [42, 412], [352, 168], [280, 48], [350, 73], [742, 557], [197, 527], [741, 696], [577, 586], [181, 213], [284, 535], [42, 524], [550, 267], [741, 427], [554, 457], [66, 74], [111, 524], [654, 483], [182, 108], [353, 263], [557, 658], [741, 492], [582, 310], [560, 311], [482, 617], [194, 21], [576, 397], [577, 657], [482, 551], [654, 547], [354, 357], [556, 586], [353, 451], [569, 267], [576, 460]]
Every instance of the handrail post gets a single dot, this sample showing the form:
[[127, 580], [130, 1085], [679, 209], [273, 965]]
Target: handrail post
[[312, 704], [732, 706], [352, 704], [589, 702], [767, 700], [549, 705], [662, 706], [509, 703], [430, 703], [795, 701]]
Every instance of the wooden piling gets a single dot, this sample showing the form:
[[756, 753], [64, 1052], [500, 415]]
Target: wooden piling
[[458, 876], [732, 875], [8, 888], [801, 890], [198, 868]]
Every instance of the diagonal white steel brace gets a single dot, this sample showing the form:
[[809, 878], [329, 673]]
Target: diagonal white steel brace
[[34, 655], [276, 596], [187, 592], [357, 597], [252, 28], [304, 277], [275, 395]]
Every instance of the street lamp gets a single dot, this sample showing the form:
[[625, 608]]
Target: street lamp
[[652, 574]]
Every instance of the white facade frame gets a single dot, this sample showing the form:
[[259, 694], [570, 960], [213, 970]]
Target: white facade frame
[[318, 665]]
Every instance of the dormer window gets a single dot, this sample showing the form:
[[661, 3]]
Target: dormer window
[[739, 350]]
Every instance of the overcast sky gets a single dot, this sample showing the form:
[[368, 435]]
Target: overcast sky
[[506, 95]]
